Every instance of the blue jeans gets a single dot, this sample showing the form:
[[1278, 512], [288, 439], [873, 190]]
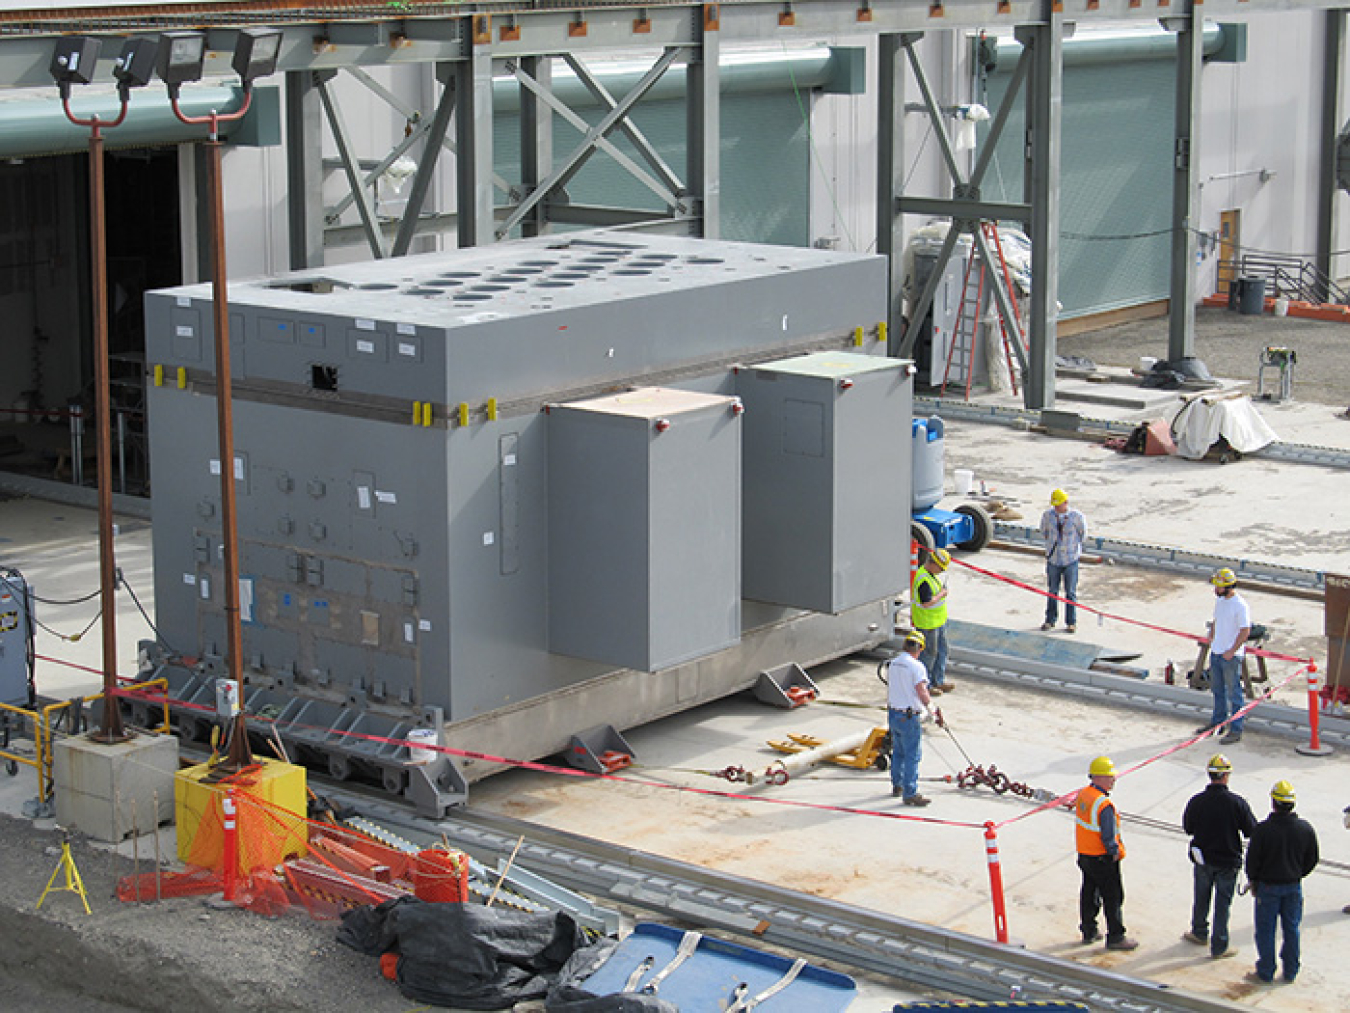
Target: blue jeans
[[1209, 880], [1225, 679], [1054, 575], [906, 749], [1283, 903], [934, 655]]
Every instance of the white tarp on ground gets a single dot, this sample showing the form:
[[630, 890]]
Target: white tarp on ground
[[1200, 422]]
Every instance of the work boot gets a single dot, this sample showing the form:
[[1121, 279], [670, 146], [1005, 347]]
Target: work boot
[[916, 800], [896, 791], [1231, 737], [1123, 943], [1196, 938], [1254, 977], [947, 687], [1230, 952], [1046, 627], [1090, 937], [1071, 628]]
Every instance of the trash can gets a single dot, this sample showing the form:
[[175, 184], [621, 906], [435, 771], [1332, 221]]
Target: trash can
[[1251, 296]]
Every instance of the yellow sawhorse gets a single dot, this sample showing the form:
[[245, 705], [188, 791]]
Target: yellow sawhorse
[[73, 882]]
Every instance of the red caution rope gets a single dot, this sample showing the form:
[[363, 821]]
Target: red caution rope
[[991, 574]]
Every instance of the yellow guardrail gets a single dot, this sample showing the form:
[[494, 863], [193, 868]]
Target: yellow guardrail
[[34, 761], [43, 736]]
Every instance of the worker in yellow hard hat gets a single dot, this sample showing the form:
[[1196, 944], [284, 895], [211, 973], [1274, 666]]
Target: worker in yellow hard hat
[[1063, 528], [928, 612], [1229, 629], [1283, 851], [1217, 819], [1100, 852]]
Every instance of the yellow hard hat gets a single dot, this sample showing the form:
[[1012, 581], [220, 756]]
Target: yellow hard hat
[[916, 637], [1102, 767], [1283, 791], [1058, 496], [1218, 764], [941, 557], [1223, 578]]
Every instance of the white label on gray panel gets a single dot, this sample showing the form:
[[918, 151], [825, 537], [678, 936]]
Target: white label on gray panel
[[183, 331], [184, 301], [365, 325], [408, 634], [424, 625], [407, 328], [190, 579], [204, 586], [489, 537], [214, 466], [508, 460], [239, 468], [407, 348], [365, 346], [363, 497], [386, 497]]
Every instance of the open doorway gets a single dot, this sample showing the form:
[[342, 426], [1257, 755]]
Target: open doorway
[[45, 314]]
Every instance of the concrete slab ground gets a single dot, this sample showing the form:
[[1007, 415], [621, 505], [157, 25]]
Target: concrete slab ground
[[868, 849]]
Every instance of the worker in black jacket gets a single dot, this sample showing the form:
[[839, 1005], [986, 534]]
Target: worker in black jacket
[[1217, 819], [1282, 852]]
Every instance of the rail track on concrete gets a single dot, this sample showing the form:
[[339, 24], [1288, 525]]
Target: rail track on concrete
[[909, 953]]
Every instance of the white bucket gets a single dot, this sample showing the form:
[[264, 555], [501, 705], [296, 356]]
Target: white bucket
[[1282, 307], [965, 481], [1146, 363], [427, 736]]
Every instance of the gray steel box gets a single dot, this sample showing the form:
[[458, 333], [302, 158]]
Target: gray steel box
[[644, 527], [826, 504]]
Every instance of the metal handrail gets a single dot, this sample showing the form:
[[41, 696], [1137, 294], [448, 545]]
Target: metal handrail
[[1290, 276]]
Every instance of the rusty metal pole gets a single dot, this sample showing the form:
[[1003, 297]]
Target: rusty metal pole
[[240, 755], [111, 728]]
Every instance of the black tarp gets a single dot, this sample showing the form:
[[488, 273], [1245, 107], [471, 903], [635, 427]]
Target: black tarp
[[472, 957]]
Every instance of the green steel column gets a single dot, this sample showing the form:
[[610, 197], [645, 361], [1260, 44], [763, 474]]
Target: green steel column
[[1328, 203], [473, 146], [1185, 184], [704, 134], [1045, 100], [891, 175], [536, 141], [304, 171]]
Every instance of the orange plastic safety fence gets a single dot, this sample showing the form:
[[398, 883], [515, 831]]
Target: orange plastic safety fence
[[286, 860]]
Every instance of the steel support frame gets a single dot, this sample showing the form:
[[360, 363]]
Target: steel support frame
[[891, 178], [1185, 183], [350, 164], [594, 138], [426, 169], [966, 209], [1328, 202]]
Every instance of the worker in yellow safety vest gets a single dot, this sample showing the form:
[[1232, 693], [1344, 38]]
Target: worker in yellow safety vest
[[1100, 852], [928, 612]]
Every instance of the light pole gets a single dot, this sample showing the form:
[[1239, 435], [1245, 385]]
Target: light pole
[[181, 58], [74, 62]]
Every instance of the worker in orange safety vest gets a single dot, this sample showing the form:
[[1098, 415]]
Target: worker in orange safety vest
[[1100, 852]]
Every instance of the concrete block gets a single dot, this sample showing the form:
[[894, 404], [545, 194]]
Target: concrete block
[[103, 790]]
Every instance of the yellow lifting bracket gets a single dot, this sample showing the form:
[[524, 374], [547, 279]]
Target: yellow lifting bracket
[[858, 333], [862, 758]]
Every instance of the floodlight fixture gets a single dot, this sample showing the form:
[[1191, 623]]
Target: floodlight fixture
[[74, 61], [135, 65], [255, 53], [181, 58]]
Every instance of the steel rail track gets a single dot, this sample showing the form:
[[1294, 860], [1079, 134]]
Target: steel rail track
[[1176, 560], [1025, 418], [895, 948], [1124, 691]]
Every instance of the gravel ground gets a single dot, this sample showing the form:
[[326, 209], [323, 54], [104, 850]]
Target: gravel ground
[[173, 956], [1230, 345]]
